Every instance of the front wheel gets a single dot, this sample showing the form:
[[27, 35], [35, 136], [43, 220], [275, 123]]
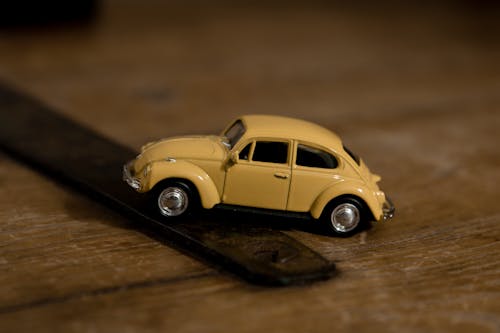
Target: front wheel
[[344, 217], [174, 199]]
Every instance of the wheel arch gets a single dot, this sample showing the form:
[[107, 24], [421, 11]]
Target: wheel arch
[[336, 193], [364, 206], [167, 171]]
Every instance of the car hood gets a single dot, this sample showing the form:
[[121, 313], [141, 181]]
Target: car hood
[[183, 147]]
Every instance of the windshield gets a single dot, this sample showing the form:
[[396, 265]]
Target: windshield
[[234, 133]]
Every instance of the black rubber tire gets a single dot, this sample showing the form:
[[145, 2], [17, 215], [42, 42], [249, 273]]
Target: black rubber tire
[[350, 204], [175, 188]]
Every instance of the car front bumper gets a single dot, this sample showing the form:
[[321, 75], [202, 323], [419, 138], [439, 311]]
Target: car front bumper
[[127, 177]]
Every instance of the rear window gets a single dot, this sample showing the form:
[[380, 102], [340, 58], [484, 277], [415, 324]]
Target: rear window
[[353, 156]]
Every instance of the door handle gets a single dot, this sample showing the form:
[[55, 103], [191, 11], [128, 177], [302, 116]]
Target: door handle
[[281, 175]]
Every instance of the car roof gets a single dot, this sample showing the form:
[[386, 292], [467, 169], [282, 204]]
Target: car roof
[[290, 128]]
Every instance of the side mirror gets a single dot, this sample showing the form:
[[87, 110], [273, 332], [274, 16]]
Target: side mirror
[[234, 157]]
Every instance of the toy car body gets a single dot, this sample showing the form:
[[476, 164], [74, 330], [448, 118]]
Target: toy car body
[[259, 161]]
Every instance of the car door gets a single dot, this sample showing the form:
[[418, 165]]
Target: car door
[[314, 170], [260, 178]]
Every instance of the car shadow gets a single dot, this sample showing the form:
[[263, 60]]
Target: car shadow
[[263, 220]]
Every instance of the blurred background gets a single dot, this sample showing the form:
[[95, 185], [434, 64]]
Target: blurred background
[[157, 62]]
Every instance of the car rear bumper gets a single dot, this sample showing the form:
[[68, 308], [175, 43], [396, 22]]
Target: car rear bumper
[[388, 209]]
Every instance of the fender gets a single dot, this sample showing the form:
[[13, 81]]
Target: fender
[[164, 169], [355, 189]]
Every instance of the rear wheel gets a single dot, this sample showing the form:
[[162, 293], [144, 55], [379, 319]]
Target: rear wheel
[[175, 199], [344, 216]]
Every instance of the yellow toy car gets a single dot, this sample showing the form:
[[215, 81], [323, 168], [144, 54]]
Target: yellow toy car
[[262, 162]]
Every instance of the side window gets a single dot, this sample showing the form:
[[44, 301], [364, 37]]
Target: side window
[[245, 152], [315, 158], [269, 151]]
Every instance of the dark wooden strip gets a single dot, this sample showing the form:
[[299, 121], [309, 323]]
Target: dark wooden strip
[[92, 163]]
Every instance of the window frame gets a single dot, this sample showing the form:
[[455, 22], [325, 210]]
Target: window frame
[[250, 152]]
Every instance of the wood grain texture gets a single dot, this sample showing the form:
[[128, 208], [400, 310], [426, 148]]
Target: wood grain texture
[[414, 90]]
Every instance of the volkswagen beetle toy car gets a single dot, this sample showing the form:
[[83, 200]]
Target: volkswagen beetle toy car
[[262, 162]]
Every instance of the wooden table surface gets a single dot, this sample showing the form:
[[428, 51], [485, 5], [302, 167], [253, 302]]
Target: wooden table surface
[[414, 90]]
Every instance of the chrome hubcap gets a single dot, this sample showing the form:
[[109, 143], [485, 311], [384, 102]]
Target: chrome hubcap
[[345, 217], [172, 201]]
